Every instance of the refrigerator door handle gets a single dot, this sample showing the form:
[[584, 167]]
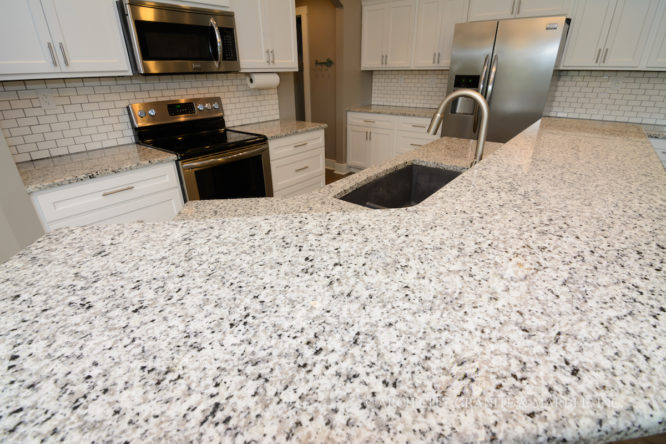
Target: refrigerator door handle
[[491, 81], [484, 72]]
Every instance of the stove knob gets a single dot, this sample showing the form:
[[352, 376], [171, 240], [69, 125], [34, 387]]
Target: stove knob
[[208, 106], [200, 107], [216, 105], [141, 113], [151, 112]]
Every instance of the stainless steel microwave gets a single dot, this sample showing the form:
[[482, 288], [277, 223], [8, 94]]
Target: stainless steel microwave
[[167, 38]]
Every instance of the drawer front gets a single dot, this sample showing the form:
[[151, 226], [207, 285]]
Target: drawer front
[[414, 125], [155, 207], [371, 120], [302, 187], [78, 198], [294, 169], [408, 142], [288, 146]]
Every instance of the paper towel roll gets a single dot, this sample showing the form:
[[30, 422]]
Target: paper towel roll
[[263, 81]]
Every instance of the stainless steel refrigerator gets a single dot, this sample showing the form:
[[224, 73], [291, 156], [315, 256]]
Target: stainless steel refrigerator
[[510, 62]]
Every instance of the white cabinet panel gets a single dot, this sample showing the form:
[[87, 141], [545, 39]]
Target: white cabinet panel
[[373, 36], [408, 141], [266, 32], [656, 56], [587, 34], [455, 11], [428, 31], [297, 162], [87, 35], [25, 39], [358, 147], [628, 33], [541, 8], [382, 145], [490, 9], [400, 34]]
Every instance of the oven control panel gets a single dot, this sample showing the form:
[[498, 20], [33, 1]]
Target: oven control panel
[[169, 111]]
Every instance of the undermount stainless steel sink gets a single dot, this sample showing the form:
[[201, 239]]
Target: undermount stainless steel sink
[[401, 188]]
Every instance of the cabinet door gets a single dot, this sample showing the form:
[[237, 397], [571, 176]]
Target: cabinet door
[[455, 11], [250, 35], [656, 58], [382, 146], [542, 8], [358, 149], [87, 35], [401, 19], [628, 33], [428, 30], [373, 36], [25, 38], [587, 33], [279, 17], [490, 9]]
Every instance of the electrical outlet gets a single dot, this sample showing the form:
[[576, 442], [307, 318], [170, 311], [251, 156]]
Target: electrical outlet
[[45, 97]]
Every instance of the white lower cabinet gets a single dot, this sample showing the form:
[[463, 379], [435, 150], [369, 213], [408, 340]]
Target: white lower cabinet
[[297, 163], [145, 194], [373, 139]]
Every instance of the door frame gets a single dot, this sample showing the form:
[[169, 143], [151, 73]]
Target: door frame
[[303, 12]]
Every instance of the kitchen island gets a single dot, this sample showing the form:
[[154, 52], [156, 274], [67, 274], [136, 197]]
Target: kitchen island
[[523, 302]]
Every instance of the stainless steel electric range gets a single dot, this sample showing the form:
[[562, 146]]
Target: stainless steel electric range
[[214, 162]]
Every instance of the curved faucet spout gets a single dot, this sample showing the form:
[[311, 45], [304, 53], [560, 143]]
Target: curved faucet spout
[[483, 128]]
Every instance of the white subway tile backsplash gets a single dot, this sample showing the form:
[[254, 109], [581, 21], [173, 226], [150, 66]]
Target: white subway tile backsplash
[[87, 114], [623, 96]]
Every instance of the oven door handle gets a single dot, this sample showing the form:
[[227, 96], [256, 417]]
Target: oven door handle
[[220, 160], [213, 23]]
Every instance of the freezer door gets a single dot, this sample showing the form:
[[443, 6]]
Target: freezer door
[[472, 46], [526, 51]]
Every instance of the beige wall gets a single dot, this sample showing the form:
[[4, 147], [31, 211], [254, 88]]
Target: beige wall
[[19, 225], [286, 96]]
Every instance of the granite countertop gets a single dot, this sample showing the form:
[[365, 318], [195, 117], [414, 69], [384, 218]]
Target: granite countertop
[[48, 173], [523, 302], [394, 110], [274, 129]]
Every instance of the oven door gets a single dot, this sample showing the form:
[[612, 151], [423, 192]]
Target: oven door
[[174, 39], [237, 174]]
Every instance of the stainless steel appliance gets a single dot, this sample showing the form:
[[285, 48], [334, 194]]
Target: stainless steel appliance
[[167, 38], [214, 162], [510, 62]]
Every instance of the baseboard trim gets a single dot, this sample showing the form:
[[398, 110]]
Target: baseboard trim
[[338, 168]]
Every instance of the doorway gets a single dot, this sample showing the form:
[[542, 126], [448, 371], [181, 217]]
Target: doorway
[[302, 77]]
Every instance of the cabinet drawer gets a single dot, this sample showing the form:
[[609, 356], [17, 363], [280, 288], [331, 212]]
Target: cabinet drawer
[[417, 125], [78, 198], [154, 207], [288, 146], [302, 187], [408, 142], [371, 120], [294, 169]]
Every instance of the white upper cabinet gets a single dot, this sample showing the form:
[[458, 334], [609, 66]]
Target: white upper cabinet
[[266, 31], [61, 38], [609, 34], [656, 55], [388, 34], [502, 9], [434, 32]]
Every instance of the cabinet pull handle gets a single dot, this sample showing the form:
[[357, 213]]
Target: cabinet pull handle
[[273, 56], [298, 170], [369, 121], [268, 56], [53, 56], [513, 6], [119, 190], [605, 54], [418, 126], [438, 58], [300, 145], [64, 54], [415, 144], [596, 60], [518, 10], [434, 54]]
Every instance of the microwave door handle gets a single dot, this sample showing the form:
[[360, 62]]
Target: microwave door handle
[[220, 160], [213, 23]]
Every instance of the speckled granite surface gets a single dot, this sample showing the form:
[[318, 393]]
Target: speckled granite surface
[[394, 110], [47, 173], [523, 302], [274, 129]]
